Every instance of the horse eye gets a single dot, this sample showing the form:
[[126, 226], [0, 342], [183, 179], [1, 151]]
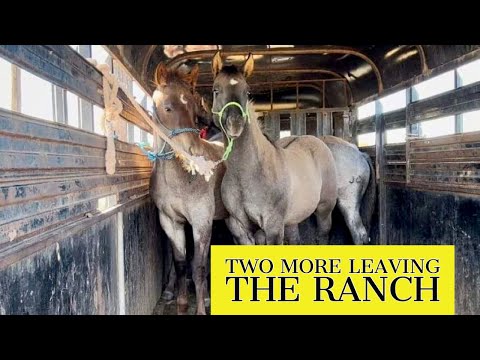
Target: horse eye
[[168, 109], [215, 91]]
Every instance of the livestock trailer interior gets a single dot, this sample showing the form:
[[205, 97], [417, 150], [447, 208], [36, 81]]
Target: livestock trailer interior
[[77, 240]]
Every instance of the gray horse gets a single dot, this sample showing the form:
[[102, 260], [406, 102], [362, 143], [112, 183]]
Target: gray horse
[[268, 189], [179, 196], [356, 187]]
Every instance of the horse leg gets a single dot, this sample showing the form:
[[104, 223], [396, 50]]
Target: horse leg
[[176, 234], [168, 294], [292, 236], [260, 237], [201, 237], [324, 222], [352, 217], [274, 231], [241, 235]]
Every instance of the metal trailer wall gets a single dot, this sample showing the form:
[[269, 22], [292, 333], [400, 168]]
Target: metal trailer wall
[[58, 254], [429, 188]]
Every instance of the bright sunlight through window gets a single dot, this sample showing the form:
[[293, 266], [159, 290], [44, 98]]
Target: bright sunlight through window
[[438, 127], [471, 121], [469, 73], [366, 110], [37, 97], [395, 136], [434, 86], [367, 139], [394, 101], [5, 84]]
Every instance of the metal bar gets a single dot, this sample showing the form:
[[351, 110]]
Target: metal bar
[[323, 94], [290, 71], [380, 166], [271, 97], [280, 82], [319, 51], [423, 59], [296, 86], [16, 89]]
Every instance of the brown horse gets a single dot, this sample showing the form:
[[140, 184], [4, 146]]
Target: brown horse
[[268, 189], [179, 196]]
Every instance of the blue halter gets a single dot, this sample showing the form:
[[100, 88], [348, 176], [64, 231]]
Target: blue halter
[[170, 155]]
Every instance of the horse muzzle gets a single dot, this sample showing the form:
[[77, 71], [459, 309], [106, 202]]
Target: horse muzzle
[[234, 127]]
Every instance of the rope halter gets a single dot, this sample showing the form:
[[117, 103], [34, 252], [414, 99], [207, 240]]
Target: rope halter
[[245, 114]]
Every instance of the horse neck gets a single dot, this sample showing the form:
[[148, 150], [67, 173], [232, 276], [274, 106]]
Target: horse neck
[[250, 146]]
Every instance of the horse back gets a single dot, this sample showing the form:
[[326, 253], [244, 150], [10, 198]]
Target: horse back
[[311, 169]]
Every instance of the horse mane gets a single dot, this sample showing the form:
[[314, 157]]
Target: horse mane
[[254, 119], [173, 77]]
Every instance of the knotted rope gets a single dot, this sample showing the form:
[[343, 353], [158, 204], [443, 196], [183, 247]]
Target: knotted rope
[[196, 164], [111, 114]]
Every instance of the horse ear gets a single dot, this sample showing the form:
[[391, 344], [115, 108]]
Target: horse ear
[[160, 77], [217, 64], [192, 77], [248, 66]]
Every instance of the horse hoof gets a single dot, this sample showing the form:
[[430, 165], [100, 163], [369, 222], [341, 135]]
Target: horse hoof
[[182, 309], [167, 295]]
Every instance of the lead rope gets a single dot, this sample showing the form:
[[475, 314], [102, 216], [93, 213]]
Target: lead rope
[[152, 156], [245, 114], [197, 164], [111, 114]]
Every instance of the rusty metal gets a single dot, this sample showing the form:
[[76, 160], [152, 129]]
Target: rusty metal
[[282, 82], [319, 51], [296, 87], [291, 71], [146, 60], [271, 97], [423, 59], [323, 95]]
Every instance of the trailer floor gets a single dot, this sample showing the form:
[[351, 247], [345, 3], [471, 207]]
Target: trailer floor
[[169, 307]]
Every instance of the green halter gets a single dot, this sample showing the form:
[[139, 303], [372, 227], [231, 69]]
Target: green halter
[[245, 114]]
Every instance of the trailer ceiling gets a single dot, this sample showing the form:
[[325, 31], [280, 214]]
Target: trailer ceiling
[[367, 69]]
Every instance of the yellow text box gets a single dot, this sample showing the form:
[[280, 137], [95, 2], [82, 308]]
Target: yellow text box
[[332, 280]]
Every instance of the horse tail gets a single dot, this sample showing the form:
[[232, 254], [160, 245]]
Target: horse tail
[[370, 196]]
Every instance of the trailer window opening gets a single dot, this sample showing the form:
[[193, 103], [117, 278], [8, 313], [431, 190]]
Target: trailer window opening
[[434, 86], [36, 95], [367, 139], [5, 84], [106, 202], [366, 110], [98, 127], [394, 101], [285, 133], [396, 136], [471, 121], [101, 55], [73, 110], [149, 139], [469, 73], [438, 127]]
